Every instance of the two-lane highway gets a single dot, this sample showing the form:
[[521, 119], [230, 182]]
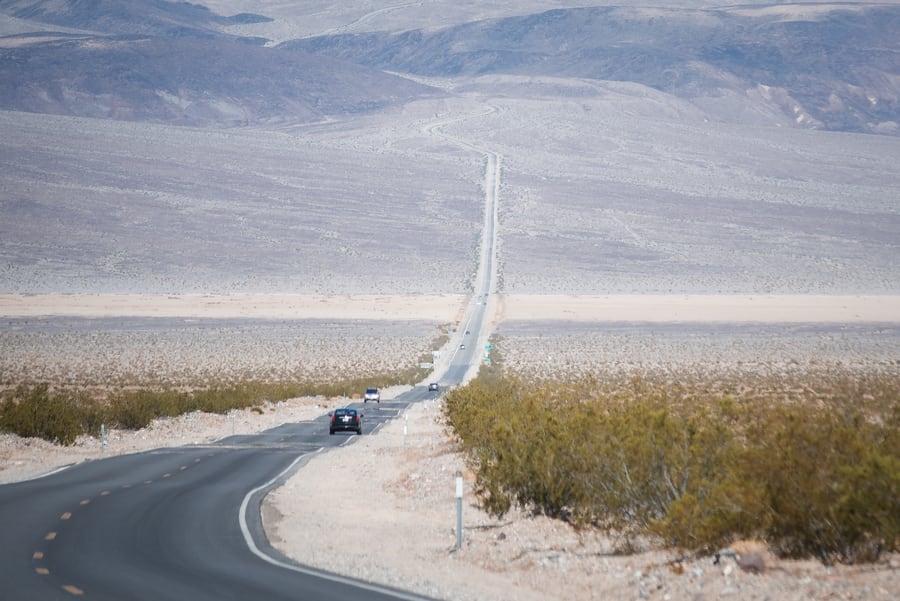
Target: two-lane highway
[[474, 333], [184, 523], [176, 523]]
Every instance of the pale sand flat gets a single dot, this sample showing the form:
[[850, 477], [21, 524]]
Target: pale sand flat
[[438, 307], [446, 307], [701, 308]]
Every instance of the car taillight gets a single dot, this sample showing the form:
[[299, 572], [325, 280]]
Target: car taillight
[[333, 418], [357, 419]]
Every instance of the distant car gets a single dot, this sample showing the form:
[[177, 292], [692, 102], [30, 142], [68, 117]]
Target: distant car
[[345, 420], [467, 332], [372, 394], [462, 347], [433, 387]]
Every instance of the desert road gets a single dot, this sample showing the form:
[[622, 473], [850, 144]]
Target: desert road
[[176, 523], [184, 523]]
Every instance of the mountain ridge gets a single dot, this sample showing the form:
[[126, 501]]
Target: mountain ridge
[[836, 70], [825, 66]]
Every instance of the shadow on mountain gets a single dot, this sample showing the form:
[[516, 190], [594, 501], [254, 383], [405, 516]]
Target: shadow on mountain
[[169, 62], [190, 82], [835, 68], [135, 17]]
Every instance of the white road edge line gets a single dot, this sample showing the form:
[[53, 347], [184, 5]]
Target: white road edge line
[[55, 470], [248, 538]]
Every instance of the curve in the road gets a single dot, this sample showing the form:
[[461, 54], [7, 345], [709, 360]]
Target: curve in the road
[[172, 523]]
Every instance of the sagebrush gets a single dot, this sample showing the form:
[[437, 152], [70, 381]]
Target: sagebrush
[[810, 464]]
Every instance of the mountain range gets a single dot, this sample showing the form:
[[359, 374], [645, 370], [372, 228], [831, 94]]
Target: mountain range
[[831, 66]]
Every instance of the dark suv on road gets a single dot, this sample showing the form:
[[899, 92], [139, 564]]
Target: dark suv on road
[[345, 420]]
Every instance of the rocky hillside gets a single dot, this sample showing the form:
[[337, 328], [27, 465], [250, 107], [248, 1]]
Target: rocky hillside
[[821, 66], [170, 62], [831, 67]]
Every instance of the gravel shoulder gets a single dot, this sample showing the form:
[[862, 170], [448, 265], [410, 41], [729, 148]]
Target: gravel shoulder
[[404, 502]]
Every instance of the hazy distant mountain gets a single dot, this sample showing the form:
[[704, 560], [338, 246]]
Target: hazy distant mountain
[[151, 60], [822, 66], [120, 17], [189, 81], [829, 66]]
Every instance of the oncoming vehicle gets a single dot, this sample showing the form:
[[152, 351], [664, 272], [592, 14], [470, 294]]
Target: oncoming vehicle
[[433, 387], [372, 394], [345, 420]]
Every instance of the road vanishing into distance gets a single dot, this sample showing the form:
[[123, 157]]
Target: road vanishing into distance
[[473, 331], [184, 523]]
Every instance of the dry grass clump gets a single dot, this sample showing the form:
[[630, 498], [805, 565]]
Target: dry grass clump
[[810, 464]]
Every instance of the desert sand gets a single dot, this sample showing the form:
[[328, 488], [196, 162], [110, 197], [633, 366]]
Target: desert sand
[[222, 306], [701, 308]]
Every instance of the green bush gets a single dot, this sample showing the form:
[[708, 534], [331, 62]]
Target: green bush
[[57, 416], [814, 474], [62, 414], [831, 479]]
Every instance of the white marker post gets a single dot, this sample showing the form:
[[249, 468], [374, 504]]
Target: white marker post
[[102, 438], [459, 495], [405, 427]]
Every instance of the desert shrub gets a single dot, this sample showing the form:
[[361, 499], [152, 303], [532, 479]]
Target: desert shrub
[[55, 415], [62, 414], [135, 409], [814, 468], [831, 479]]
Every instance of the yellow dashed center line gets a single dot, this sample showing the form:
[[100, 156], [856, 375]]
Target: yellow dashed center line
[[148, 481], [38, 555], [71, 588], [104, 493], [183, 467], [167, 475], [67, 515], [50, 536], [42, 571], [85, 501]]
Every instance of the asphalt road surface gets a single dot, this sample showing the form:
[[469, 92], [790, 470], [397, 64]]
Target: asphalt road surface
[[184, 523], [173, 524]]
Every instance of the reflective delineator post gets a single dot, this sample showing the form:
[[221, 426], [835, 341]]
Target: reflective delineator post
[[102, 438], [459, 493]]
